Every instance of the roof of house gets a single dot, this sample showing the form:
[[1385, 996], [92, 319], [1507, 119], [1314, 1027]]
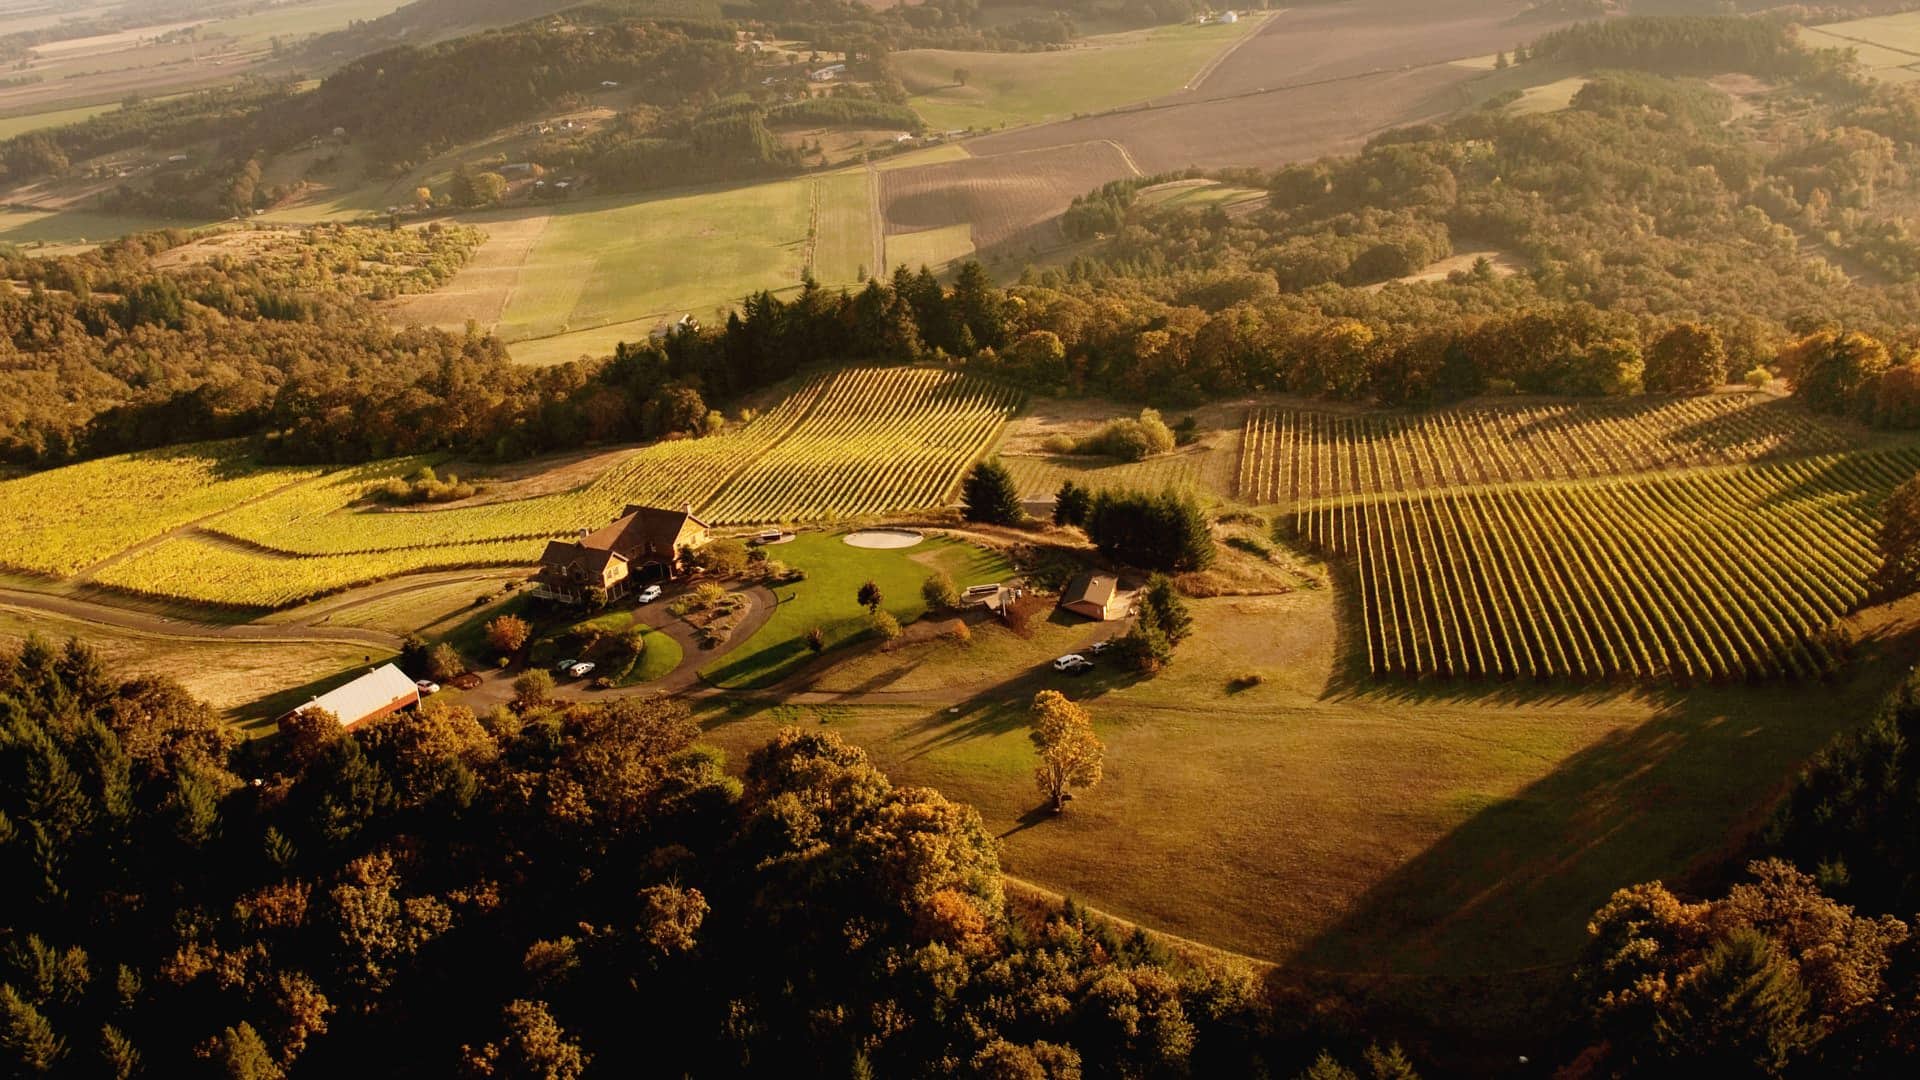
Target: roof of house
[[378, 691], [639, 532], [1091, 588]]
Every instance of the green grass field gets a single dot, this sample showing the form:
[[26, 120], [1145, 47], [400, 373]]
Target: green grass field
[[933, 248], [1192, 196], [77, 227], [1398, 831], [621, 265], [826, 599], [1010, 89], [20, 125]]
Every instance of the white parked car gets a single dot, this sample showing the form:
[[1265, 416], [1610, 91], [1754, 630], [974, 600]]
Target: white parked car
[[581, 671], [427, 686], [1073, 664], [649, 594], [565, 666], [1099, 647]]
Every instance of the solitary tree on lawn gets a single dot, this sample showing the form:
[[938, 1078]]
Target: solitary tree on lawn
[[1070, 753]]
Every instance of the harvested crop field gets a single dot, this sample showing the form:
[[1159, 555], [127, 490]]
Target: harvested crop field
[[1314, 80], [482, 288], [1010, 200]]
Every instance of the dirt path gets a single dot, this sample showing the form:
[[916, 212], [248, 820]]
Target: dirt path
[[161, 626], [1206, 70], [878, 218]]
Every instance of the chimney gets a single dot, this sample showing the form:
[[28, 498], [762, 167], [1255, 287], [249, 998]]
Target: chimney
[[584, 532]]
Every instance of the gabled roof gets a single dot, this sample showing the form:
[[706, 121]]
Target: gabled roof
[[1091, 588], [640, 532], [379, 691]]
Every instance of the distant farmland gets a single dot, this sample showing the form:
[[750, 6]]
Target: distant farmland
[[1105, 72], [1009, 202]]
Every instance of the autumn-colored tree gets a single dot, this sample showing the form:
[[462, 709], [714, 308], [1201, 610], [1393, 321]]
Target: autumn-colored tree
[[1899, 541], [1070, 753], [886, 626], [507, 633], [532, 1044], [1688, 359]]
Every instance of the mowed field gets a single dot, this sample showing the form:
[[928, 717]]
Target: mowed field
[[206, 525], [1098, 73], [244, 679], [576, 279]]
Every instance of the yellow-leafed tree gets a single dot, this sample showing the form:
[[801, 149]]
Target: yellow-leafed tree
[[1070, 753]]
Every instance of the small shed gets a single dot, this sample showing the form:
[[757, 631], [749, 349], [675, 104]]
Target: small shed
[[384, 690], [1096, 596]]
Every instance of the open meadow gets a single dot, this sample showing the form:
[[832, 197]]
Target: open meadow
[[1098, 73]]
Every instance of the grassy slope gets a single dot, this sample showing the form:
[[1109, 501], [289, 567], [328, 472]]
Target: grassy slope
[[604, 263], [1007, 89], [835, 572], [1419, 829], [253, 682]]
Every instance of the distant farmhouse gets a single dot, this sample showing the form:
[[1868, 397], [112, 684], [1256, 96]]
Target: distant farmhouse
[[642, 545], [384, 690]]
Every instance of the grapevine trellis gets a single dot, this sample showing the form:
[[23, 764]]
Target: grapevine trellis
[[1289, 454], [1731, 572]]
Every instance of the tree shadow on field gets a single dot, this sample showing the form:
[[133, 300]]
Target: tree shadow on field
[[1506, 894]]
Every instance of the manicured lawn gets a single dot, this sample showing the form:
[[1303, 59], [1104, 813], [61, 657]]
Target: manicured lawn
[[1400, 828], [1107, 71], [826, 599]]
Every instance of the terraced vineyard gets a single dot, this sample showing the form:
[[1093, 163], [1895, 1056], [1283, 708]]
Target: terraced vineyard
[[1733, 572], [1292, 454]]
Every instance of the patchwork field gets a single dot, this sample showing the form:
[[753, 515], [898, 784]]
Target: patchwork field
[[1104, 72], [209, 526], [109, 67]]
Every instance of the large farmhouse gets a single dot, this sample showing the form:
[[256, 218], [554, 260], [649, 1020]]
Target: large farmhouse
[[642, 545]]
